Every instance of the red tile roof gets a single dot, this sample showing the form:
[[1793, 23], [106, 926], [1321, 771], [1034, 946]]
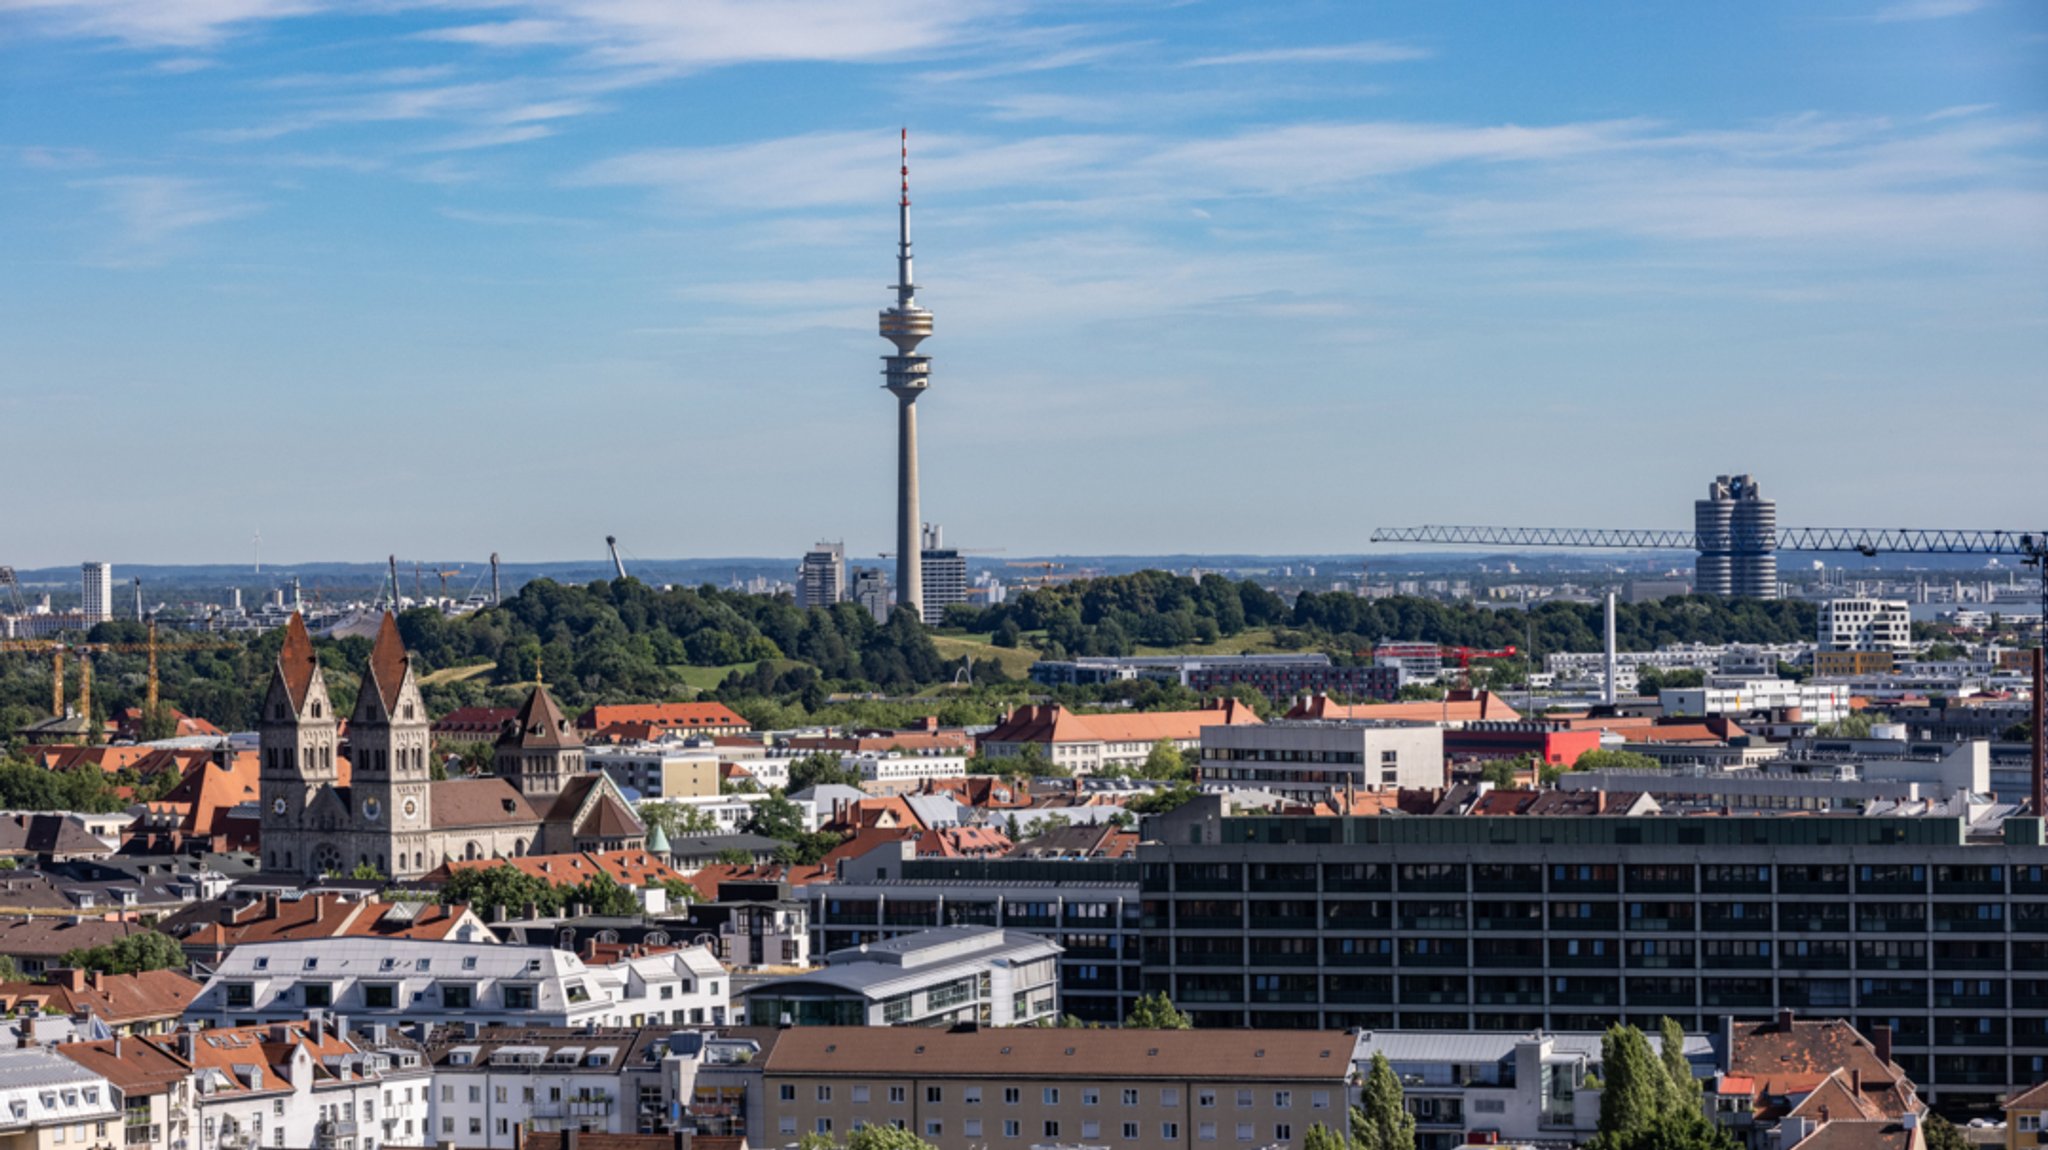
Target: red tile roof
[[627, 868], [1052, 723], [668, 716], [1458, 708], [117, 999], [707, 879], [322, 916], [296, 661]]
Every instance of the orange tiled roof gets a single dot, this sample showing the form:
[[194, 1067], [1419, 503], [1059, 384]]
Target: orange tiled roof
[[114, 998], [706, 880], [666, 716], [321, 916], [1052, 723], [1485, 705], [627, 868]]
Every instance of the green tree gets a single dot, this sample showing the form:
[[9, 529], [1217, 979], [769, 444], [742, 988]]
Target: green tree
[[9, 972], [1381, 1120], [1166, 763], [366, 872], [1634, 1085], [148, 950], [1321, 1137], [601, 894], [1157, 1012], [819, 768], [503, 886], [1941, 1134], [1028, 762], [1161, 801], [1685, 1093], [1606, 760], [678, 820], [882, 1136], [1854, 725], [1502, 772], [775, 817]]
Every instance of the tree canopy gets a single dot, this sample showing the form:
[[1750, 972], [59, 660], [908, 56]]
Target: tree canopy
[[147, 950], [1157, 1012], [1381, 1120]]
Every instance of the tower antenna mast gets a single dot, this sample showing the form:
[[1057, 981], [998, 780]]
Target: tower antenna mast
[[906, 375]]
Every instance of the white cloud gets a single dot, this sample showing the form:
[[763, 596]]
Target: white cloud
[[1364, 52], [1926, 10], [152, 213], [157, 23]]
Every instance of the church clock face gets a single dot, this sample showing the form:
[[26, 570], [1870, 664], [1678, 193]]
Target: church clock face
[[411, 807], [372, 809], [280, 806]]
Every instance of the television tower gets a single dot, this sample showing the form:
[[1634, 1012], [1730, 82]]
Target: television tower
[[907, 373]]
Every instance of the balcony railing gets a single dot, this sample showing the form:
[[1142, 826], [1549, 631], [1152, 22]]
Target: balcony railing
[[138, 1134]]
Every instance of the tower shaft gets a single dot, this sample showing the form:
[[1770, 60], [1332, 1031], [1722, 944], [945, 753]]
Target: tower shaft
[[909, 545], [906, 375]]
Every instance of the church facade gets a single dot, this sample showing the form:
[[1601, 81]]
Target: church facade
[[379, 807]]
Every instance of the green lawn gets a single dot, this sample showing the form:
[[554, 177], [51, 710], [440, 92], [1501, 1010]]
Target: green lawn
[[455, 674], [1016, 661], [1250, 641]]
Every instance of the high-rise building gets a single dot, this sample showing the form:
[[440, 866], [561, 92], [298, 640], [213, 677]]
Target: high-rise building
[[945, 574], [1736, 531], [907, 374], [871, 591], [96, 600], [821, 580]]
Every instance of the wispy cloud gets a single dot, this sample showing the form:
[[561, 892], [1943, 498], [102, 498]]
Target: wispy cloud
[[151, 214], [1363, 52], [1926, 10], [157, 23]]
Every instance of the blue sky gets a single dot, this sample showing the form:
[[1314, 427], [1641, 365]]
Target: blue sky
[[452, 276]]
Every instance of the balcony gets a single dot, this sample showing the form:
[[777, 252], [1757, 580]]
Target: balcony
[[1873, 924], [1596, 924], [1814, 962], [1994, 1001], [1891, 962], [594, 1106], [1871, 886], [1209, 958], [1813, 921], [1661, 998], [1897, 999], [142, 1134], [1456, 958], [1433, 922], [1585, 961], [1357, 958], [1585, 998], [1210, 922], [1282, 921], [1682, 925]]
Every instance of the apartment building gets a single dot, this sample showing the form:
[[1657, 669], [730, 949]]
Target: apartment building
[[1434, 923], [49, 1101], [935, 977], [1085, 744], [974, 1088], [490, 1083], [395, 981], [1089, 907], [659, 770], [1865, 625], [1311, 758], [903, 772], [1817, 702]]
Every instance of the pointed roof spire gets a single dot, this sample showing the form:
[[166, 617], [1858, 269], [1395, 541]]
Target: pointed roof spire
[[389, 662], [297, 661], [540, 725], [657, 839]]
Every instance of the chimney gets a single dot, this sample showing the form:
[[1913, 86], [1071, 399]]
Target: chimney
[[1881, 1037], [519, 1137], [69, 977], [92, 979], [319, 908], [1856, 1080], [188, 1045], [682, 1141], [569, 1138], [1823, 1114]]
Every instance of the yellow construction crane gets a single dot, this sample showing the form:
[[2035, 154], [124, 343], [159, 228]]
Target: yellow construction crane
[[57, 648]]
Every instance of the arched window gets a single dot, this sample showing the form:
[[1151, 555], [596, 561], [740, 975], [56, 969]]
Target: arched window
[[472, 852]]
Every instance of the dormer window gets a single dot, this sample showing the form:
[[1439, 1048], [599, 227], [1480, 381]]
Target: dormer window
[[316, 710]]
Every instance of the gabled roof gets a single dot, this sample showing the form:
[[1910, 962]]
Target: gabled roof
[[297, 662], [627, 868], [114, 998], [1791, 1056], [673, 716], [1860, 1134], [487, 802], [539, 725], [1483, 705], [1026, 1052], [590, 805], [134, 1066], [1052, 723], [316, 916], [2033, 1099], [389, 663]]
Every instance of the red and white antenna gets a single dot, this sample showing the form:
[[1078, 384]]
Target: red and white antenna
[[905, 202]]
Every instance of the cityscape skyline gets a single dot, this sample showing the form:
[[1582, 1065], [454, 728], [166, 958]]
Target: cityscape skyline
[[1482, 244]]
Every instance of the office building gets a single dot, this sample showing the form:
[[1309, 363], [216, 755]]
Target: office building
[[935, 977], [944, 573], [821, 579], [1865, 625], [1314, 758], [1815, 702], [1088, 906], [871, 591], [1736, 531], [1129, 1089], [96, 593], [1514, 923]]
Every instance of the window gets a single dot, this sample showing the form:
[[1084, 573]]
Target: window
[[1244, 1132], [824, 1094], [1282, 1132], [517, 997], [933, 1128], [934, 1094], [824, 1126], [1170, 1131], [1244, 1100], [476, 1094], [1091, 1129], [1319, 1100], [788, 1124], [970, 1095], [787, 1092], [1131, 1099], [1011, 1128], [1205, 1132], [380, 996], [1169, 1097], [1206, 1099], [971, 1127], [1052, 1096], [1091, 1097], [241, 994], [1011, 1096], [460, 997], [1052, 1128], [476, 1126], [898, 1094], [860, 1094], [447, 1126]]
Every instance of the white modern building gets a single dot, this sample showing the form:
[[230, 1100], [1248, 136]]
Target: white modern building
[[491, 1084], [935, 977], [402, 980], [658, 770], [889, 772], [96, 593], [1865, 625], [1311, 758], [821, 579], [1818, 702]]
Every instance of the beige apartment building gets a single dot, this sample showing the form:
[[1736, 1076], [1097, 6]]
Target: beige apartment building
[[1015, 1089]]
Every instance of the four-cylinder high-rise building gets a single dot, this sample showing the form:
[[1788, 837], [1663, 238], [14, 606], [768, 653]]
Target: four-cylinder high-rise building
[[1736, 531], [906, 375]]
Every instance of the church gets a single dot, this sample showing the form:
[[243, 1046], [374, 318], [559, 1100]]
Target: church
[[378, 805]]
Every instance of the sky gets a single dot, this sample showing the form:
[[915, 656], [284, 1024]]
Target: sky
[[445, 277]]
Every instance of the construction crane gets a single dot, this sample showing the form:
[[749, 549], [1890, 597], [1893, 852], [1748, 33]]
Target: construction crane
[[58, 648], [495, 600], [444, 579], [618, 564], [2031, 547], [13, 585], [1045, 576]]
